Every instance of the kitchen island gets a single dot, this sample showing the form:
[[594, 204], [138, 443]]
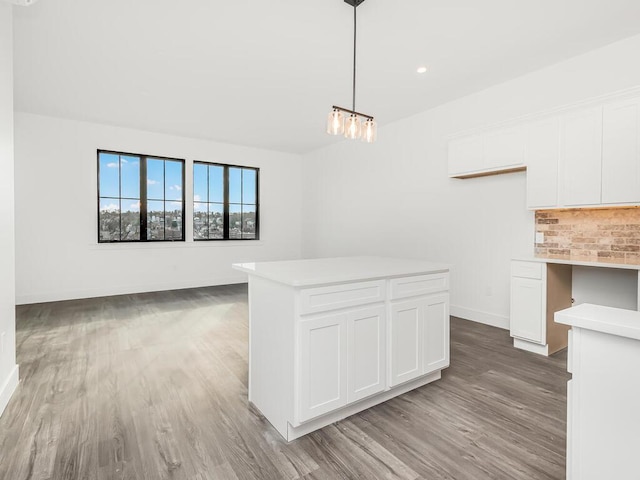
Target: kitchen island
[[331, 337], [603, 394]]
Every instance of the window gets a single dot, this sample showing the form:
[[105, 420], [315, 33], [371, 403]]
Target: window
[[140, 198], [225, 202]]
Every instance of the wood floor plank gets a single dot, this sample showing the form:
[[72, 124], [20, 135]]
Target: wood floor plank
[[154, 386]]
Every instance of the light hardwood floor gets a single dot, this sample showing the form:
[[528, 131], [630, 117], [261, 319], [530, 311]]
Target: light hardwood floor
[[154, 386]]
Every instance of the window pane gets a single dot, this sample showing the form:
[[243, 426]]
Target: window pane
[[200, 182], [130, 219], [155, 220], [173, 221], [155, 179], [248, 221], [216, 220], [235, 185], [173, 180], [130, 176], [109, 175], [200, 226], [249, 178], [235, 221], [216, 184], [109, 220]]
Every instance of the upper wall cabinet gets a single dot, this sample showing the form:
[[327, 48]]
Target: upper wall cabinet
[[581, 157], [542, 154], [466, 155], [621, 152], [487, 153], [575, 156]]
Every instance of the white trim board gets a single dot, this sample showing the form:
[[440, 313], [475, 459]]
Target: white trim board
[[8, 387], [480, 317], [63, 295]]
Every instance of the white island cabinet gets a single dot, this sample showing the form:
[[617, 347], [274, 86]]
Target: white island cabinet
[[331, 337], [603, 396]]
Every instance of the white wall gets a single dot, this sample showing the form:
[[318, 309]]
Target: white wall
[[57, 254], [394, 198], [8, 367]]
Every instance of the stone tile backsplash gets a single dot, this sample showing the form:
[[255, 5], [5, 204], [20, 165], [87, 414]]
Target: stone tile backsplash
[[598, 233]]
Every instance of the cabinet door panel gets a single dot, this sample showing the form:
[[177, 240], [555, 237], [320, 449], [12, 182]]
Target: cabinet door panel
[[581, 157], [466, 154], [621, 152], [406, 352], [504, 148], [543, 153], [323, 372], [366, 358], [436, 333], [527, 309]]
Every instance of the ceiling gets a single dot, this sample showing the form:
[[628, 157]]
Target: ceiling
[[265, 73]]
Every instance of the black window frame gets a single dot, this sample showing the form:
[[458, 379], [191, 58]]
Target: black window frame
[[226, 203], [143, 196]]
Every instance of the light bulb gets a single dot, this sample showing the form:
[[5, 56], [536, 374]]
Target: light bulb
[[369, 131], [335, 122], [353, 128]]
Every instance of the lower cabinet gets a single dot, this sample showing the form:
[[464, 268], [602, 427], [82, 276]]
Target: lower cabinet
[[342, 360], [538, 290], [527, 309], [419, 337]]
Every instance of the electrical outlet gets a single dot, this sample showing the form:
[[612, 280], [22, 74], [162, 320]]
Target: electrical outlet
[[488, 291], [539, 237]]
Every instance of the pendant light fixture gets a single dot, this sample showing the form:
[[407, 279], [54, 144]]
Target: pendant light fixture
[[351, 125]]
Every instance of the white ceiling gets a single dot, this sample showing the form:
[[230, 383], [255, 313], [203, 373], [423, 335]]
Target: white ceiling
[[265, 73]]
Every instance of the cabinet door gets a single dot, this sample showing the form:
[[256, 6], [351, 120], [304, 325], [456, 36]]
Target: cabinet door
[[323, 365], [366, 359], [504, 148], [581, 157], [406, 346], [543, 153], [435, 333], [621, 152], [527, 309], [466, 154]]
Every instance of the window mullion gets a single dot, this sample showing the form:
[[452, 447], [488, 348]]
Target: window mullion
[[225, 231], [143, 199]]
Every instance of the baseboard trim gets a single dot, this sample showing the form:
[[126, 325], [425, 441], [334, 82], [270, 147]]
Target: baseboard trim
[[8, 387], [123, 290], [480, 317], [531, 347]]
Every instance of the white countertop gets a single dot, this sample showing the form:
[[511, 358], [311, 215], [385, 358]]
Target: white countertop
[[321, 271], [582, 261], [614, 321]]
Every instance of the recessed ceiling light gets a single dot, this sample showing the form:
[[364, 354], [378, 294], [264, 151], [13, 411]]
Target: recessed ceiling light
[[422, 69]]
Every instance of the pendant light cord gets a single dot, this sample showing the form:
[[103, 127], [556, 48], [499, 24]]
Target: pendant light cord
[[355, 26]]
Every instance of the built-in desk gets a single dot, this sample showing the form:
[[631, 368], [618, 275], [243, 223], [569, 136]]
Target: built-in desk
[[541, 286]]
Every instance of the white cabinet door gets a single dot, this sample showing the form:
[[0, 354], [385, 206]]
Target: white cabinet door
[[504, 148], [405, 342], [542, 156], [322, 372], [527, 309], [621, 152], [366, 330], [581, 157], [435, 333], [466, 154]]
